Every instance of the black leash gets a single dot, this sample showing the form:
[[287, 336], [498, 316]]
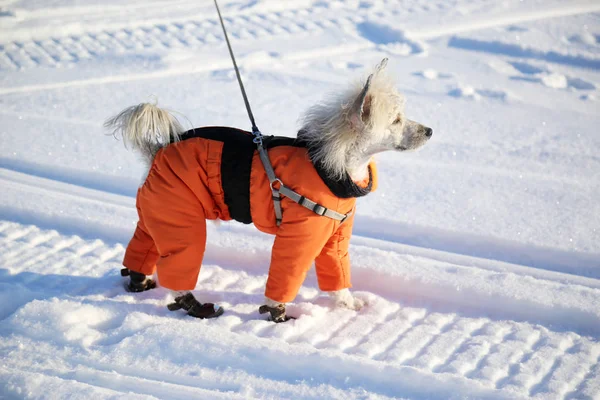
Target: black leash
[[255, 131]]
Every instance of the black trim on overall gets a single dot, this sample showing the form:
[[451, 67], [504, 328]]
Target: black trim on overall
[[343, 188]]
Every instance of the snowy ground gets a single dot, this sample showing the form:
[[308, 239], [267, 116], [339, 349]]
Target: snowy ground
[[479, 255]]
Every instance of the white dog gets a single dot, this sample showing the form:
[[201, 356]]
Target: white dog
[[319, 175]]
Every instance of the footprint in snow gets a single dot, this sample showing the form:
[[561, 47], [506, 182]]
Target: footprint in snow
[[539, 73], [527, 68], [588, 97], [345, 65], [516, 28], [390, 39], [556, 81], [469, 92], [6, 13], [585, 38], [432, 74]]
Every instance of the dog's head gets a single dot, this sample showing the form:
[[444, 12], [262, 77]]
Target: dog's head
[[346, 129], [377, 116]]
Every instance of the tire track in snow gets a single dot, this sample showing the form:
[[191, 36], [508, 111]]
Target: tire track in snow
[[416, 340], [104, 255], [374, 323], [488, 369], [426, 341], [567, 372], [444, 346], [530, 368], [348, 337], [221, 63], [460, 347], [192, 34], [491, 344], [588, 386], [532, 341], [126, 383], [473, 350], [14, 255], [387, 333], [46, 253], [200, 33], [327, 329], [18, 234], [539, 13]]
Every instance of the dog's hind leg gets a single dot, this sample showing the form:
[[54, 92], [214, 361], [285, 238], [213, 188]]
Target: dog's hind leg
[[138, 282], [140, 260], [181, 243]]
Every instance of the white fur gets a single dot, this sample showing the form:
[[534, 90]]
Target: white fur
[[343, 298], [272, 303], [146, 128], [348, 129]]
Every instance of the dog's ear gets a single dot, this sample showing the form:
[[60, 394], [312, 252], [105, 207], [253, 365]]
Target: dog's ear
[[381, 66], [361, 108]]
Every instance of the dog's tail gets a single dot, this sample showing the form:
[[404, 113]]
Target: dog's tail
[[146, 128]]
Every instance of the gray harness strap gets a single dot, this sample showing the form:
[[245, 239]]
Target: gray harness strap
[[292, 195]]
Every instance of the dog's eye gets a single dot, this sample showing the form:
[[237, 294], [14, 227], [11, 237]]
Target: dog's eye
[[397, 120]]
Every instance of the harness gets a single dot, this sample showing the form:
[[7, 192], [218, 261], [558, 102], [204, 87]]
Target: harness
[[258, 138], [284, 190]]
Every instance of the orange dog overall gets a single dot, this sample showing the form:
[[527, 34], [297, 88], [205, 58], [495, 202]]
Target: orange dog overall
[[216, 173]]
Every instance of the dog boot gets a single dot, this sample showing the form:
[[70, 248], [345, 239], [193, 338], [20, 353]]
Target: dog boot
[[138, 282], [277, 313], [194, 308]]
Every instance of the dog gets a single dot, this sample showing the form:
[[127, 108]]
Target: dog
[[216, 173]]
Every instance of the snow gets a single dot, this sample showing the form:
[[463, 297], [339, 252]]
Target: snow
[[478, 256]]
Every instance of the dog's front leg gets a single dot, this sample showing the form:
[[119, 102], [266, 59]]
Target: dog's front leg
[[138, 282], [343, 298], [185, 300], [275, 309]]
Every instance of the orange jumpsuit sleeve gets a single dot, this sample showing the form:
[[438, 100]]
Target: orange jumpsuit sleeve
[[299, 240], [333, 263]]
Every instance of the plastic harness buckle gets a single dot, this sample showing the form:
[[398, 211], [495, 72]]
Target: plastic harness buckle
[[319, 209]]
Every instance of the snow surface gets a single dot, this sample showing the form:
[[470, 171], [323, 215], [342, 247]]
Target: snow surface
[[479, 255]]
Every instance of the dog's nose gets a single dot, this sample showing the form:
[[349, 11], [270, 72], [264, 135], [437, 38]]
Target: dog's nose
[[428, 132]]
